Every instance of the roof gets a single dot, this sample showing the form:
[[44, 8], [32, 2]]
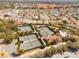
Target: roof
[[25, 28], [45, 31], [29, 42]]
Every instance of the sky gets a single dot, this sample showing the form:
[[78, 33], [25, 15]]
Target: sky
[[45, 0]]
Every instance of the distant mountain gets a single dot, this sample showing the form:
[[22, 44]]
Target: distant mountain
[[57, 1]]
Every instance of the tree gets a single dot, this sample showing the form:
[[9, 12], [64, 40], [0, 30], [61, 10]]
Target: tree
[[12, 6], [52, 50], [8, 38], [4, 37], [6, 15], [18, 48], [20, 51], [49, 52], [7, 28], [64, 47], [11, 37]]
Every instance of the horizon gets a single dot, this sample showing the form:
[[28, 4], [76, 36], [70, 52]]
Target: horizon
[[56, 1]]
